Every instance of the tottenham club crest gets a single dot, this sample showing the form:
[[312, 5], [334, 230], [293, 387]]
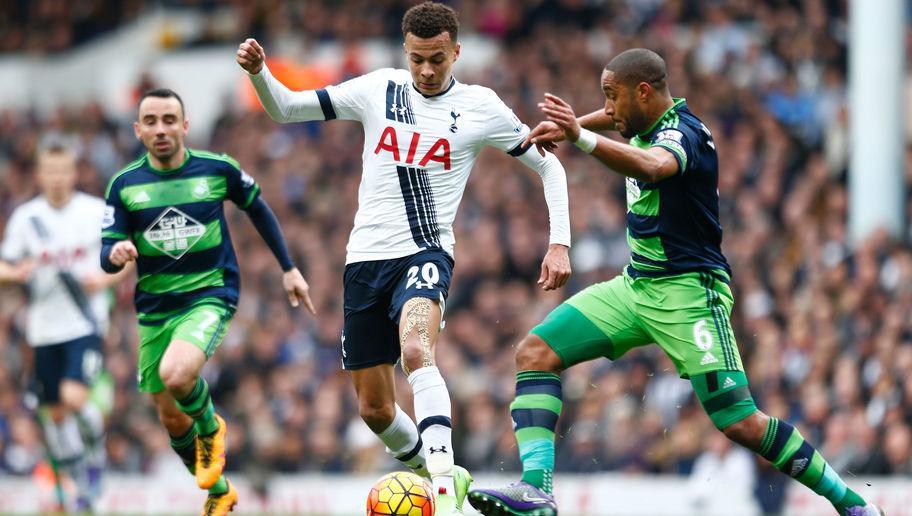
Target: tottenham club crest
[[455, 115]]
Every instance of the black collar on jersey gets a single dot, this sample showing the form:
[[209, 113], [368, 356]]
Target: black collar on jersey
[[444, 92]]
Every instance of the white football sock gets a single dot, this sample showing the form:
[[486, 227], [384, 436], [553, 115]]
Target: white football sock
[[63, 439], [91, 426], [91, 422], [432, 410], [403, 442]]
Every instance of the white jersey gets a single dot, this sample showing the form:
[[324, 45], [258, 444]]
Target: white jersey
[[67, 240], [418, 153]]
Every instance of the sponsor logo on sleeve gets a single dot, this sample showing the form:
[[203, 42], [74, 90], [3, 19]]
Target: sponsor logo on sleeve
[[670, 135], [246, 179], [517, 124], [671, 139], [107, 220]]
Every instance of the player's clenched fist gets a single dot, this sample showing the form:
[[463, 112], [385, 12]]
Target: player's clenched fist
[[251, 56], [123, 252]]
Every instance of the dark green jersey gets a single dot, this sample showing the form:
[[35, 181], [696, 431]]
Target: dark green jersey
[[176, 219], [673, 224]]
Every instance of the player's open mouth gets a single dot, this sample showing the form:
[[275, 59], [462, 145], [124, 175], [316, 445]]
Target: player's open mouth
[[162, 145]]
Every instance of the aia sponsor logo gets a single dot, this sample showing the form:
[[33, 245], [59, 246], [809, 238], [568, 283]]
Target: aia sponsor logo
[[389, 142]]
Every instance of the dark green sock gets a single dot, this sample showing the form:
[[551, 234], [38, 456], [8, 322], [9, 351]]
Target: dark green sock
[[198, 405], [535, 412], [185, 447], [784, 446]]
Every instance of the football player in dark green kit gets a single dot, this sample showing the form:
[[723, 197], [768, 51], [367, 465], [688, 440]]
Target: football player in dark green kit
[[165, 211], [675, 291]]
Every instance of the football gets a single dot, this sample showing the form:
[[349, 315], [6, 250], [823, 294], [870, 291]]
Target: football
[[401, 493]]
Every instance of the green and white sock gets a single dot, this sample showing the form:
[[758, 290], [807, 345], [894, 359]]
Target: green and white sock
[[535, 412], [784, 446]]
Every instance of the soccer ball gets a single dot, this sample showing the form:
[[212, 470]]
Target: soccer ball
[[402, 494]]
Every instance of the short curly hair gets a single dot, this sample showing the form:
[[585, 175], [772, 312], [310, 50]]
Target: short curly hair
[[429, 19]]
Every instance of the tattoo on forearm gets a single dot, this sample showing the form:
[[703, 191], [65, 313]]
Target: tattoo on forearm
[[418, 318]]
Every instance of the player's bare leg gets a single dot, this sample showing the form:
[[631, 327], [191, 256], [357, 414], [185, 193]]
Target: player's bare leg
[[75, 400], [419, 328], [67, 452], [535, 410], [179, 370], [182, 431], [376, 390], [180, 428]]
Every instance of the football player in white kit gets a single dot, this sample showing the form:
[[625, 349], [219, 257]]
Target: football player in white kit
[[423, 130], [51, 244]]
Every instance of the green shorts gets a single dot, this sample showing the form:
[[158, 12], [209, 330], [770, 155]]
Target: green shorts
[[203, 325], [686, 315]]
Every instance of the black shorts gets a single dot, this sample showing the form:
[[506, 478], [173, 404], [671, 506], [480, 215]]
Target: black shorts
[[375, 292], [78, 359]]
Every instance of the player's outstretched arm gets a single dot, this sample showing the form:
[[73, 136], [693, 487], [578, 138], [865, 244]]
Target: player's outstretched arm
[[650, 165], [596, 121], [267, 225], [280, 103], [547, 134], [555, 268]]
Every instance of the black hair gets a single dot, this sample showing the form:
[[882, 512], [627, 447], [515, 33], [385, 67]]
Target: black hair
[[637, 65], [429, 19], [163, 93]]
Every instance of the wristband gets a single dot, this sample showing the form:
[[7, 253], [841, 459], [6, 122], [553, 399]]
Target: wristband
[[586, 142]]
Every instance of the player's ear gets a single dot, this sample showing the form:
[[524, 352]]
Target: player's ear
[[643, 90], [186, 124], [456, 50], [136, 131]]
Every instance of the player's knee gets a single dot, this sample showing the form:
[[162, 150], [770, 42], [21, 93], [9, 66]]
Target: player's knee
[[377, 416], [416, 355], [73, 395], [176, 377], [749, 431], [57, 412], [533, 354]]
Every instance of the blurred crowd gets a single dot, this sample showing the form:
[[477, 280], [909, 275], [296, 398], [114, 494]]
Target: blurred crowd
[[825, 330]]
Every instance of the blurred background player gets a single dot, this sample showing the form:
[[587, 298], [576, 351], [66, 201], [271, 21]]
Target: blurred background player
[[423, 131], [50, 245], [675, 291], [165, 211]]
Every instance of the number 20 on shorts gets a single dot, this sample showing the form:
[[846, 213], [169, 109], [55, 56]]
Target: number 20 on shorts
[[429, 274]]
